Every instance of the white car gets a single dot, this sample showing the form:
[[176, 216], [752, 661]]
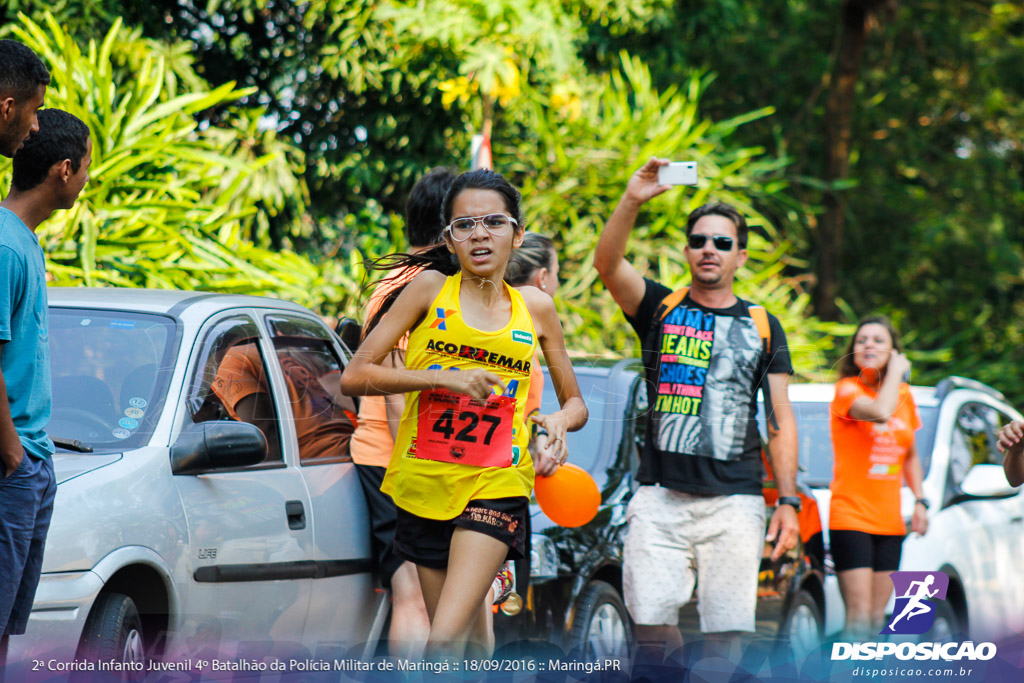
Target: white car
[[976, 521], [177, 528]]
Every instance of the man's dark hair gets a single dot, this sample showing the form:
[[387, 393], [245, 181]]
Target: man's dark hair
[[724, 210], [21, 71], [423, 224], [60, 136]]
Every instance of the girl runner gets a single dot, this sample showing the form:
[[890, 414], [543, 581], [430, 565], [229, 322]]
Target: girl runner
[[461, 475]]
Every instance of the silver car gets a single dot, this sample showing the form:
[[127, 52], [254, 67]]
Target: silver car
[[187, 521]]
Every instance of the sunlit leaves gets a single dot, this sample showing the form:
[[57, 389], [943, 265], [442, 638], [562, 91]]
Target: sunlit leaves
[[168, 204]]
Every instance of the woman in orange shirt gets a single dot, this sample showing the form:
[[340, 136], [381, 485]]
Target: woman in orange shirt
[[873, 423]]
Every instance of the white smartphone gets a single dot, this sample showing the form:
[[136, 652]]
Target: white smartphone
[[678, 173]]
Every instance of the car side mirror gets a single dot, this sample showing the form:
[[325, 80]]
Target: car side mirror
[[986, 481], [217, 445]]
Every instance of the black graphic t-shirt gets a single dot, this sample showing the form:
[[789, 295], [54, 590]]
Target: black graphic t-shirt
[[704, 367]]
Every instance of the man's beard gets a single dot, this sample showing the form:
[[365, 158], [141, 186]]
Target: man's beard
[[709, 279]]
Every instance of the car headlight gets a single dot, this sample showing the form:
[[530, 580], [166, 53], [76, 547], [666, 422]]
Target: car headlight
[[543, 559]]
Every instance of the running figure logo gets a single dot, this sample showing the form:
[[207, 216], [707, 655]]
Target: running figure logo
[[914, 612]]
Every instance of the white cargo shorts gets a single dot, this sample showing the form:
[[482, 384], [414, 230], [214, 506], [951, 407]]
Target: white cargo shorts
[[677, 539]]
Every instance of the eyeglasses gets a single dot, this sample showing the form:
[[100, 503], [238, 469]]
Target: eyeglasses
[[721, 242], [461, 229]]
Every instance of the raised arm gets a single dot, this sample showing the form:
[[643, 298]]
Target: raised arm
[[573, 414], [365, 374], [886, 401], [618, 275]]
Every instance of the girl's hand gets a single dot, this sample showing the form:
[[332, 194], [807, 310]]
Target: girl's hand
[[556, 426], [544, 463], [476, 383], [1010, 435]]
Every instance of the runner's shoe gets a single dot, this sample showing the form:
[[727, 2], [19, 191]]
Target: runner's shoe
[[504, 583]]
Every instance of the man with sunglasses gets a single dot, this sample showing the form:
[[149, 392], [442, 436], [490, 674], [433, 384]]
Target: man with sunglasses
[[700, 502]]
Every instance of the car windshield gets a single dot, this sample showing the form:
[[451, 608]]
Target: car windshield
[[110, 371], [815, 436], [585, 444]]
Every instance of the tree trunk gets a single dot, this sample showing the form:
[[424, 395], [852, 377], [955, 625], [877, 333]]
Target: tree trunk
[[855, 16]]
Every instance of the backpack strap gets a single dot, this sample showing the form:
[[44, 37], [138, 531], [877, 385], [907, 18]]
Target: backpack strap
[[760, 317], [670, 302]]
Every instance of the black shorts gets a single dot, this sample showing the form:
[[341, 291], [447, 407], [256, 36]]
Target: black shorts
[[426, 542], [383, 518], [858, 549]]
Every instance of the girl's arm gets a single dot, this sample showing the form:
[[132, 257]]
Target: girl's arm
[[887, 400], [914, 476], [573, 414], [365, 375]]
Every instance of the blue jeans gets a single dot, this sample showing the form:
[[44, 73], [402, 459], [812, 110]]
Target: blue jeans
[[26, 505]]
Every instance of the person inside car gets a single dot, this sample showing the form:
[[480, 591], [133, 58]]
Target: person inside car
[[324, 421]]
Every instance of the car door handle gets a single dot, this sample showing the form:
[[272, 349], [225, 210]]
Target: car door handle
[[1016, 520], [296, 512]]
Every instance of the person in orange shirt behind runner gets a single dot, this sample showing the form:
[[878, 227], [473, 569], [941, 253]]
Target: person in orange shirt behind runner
[[374, 439], [873, 423]]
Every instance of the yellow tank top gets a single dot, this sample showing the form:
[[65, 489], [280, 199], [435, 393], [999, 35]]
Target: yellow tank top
[[440, 430]]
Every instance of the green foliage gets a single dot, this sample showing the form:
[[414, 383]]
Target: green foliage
[[934, 219], [168, 205], [573, 168]]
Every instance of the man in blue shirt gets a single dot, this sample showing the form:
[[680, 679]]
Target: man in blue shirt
[[49, 171], [23, 81]]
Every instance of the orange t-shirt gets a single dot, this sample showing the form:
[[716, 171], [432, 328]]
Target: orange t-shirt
[[868, 466], [372, 443], [536, 392], [323, 428]]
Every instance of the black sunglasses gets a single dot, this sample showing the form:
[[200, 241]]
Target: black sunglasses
[[721, 242]]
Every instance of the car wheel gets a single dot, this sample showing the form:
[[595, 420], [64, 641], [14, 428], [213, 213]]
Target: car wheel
[[113, 631], [947, 627], [602, 627], [804, 626]]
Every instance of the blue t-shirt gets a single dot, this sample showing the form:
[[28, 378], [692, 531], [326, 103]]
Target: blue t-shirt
[[25, 353]]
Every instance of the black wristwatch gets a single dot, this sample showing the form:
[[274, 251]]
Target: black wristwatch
[[924, 502], [792, 501]]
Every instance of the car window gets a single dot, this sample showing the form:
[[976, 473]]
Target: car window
[[110, 371], [973, 442], [324, 417], [585, 444], [231, 382]]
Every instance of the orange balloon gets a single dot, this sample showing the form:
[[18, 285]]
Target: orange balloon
[[569, 497]]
